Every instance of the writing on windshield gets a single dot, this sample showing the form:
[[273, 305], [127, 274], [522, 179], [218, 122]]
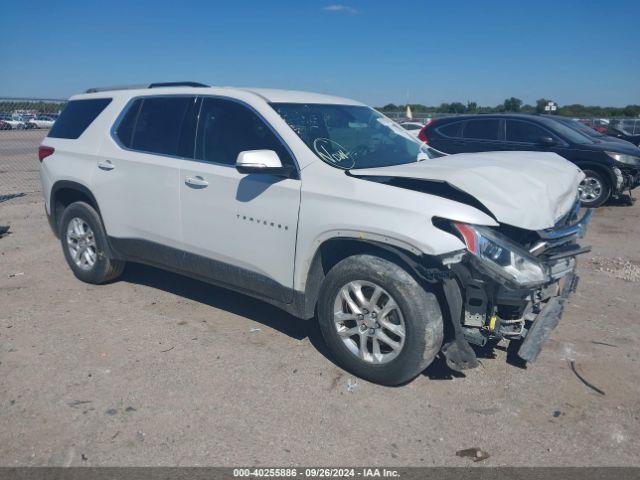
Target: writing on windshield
[[351, 136]]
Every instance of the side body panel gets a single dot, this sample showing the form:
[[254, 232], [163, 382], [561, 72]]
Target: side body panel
[[246, 222], [75, 160], [337, 205], [138, 196]]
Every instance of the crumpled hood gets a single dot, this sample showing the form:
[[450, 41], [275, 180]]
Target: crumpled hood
[[530, 190]]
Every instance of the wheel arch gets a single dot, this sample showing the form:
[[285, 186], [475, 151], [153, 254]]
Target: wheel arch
[[606, 170], [335, 249], [63, 194]]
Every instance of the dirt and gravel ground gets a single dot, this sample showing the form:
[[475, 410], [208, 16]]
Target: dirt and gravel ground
[[156, 369]]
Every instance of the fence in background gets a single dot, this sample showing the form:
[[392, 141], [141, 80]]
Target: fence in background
[[23, 125], [19, 164]]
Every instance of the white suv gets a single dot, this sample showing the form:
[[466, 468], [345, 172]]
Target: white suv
[[323, 207]]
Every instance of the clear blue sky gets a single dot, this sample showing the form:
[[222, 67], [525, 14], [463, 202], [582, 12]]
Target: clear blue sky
[[376, 51]]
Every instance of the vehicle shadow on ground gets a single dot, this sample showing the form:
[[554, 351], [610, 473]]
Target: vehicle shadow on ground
[[439, 370], [622, 201], [260, 312], [228, 301]]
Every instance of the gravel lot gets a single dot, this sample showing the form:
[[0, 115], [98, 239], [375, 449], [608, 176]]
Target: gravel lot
[[157, 369]]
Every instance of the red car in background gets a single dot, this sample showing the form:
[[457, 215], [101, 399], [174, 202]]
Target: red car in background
[[597, 124]]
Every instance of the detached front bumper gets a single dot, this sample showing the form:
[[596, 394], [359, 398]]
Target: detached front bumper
[[511, 285], [487, 312], [493, 311], [630, 178], [536, 335]]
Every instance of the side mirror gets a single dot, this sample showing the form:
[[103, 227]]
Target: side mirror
[[261, 161], [546, 141]]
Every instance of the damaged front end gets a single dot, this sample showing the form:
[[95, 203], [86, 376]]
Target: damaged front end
[[509, 284]]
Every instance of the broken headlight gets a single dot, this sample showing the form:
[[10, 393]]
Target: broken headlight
[[501, 256]]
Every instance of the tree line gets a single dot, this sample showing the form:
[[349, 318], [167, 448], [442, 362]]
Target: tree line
[[515, 105], [512, 104], [42, 107]]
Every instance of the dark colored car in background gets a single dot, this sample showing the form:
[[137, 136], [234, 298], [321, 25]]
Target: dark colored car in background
[[613, 132], [610, 167], [590, 132], [619, 133]]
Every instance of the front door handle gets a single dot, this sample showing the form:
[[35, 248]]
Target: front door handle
[[196, 182], [106, 165]]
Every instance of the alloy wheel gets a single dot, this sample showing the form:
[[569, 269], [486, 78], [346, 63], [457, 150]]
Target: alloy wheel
[[590, 189], [369, 322], [81, 243]]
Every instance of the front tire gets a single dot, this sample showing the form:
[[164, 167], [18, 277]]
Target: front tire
[[378, 321], [594, 189], [84, 243]]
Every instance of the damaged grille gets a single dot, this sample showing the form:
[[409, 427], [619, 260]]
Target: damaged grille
[[556, 242]]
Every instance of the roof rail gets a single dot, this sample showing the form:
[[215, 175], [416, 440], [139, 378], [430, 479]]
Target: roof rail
[[177, 84], [147, 85], [121, 87]]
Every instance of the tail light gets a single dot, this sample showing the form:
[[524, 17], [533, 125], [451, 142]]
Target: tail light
[[423, 133], [44, 152]]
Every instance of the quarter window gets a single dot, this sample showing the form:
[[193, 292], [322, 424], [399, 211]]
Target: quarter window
[[77, 116], [226, 128], [524, 132], [482, 129]]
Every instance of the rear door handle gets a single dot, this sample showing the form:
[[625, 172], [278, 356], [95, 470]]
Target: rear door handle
[[106, 165], [196, 182]]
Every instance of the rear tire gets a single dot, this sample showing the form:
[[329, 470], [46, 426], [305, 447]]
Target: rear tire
[[414, 327], [85, 247], [594, 190]]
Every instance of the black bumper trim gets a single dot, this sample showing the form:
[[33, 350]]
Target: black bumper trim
[[546, 321]]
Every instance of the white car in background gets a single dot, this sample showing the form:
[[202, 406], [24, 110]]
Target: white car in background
[[413, 128], [41, 122], [14, 123]]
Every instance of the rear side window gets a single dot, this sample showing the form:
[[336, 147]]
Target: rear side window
[[524, 132], [76, 116], [227, 128], [451, 129], [163, 125], [482, 129], [158, 126]]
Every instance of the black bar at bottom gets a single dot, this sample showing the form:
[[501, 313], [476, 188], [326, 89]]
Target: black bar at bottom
[[407, 473]]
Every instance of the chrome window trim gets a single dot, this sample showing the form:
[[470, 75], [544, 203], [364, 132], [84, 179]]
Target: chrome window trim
[[125, 109], [458, 122]]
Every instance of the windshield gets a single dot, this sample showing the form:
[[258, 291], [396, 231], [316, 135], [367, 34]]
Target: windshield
[[569, 133], [348, 136], [585, 129]]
